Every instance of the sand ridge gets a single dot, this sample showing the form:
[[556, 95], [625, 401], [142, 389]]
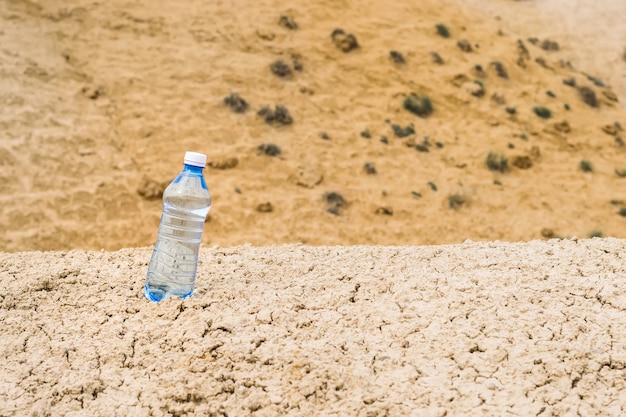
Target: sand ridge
[[592, 38], [490, 328]]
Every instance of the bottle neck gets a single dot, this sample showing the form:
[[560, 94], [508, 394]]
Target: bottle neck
[[191, 169]]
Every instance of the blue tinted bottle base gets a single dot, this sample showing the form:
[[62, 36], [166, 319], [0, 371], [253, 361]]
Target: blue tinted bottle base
[[156, 293]]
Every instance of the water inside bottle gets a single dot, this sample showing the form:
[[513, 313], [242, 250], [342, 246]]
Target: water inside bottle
[[173, 265]]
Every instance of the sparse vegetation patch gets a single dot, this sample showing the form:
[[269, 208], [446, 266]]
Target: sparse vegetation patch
[[542, 112], [548, 45], [500, 70], [596, 81], [396, 57], [442, 30], [588, 96], [475, 88], [418, 105], [287, 22], [281, 69], [437, 59], [497, 162], [456, 201], [335, 202], [280, 115], [236, 103], [571, 82], [344, 41], [586, 166], [269, 149], [369, 168], [403, 132]]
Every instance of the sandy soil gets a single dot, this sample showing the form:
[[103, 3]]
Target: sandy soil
[[100, 101], [592, 35], [487, 329]]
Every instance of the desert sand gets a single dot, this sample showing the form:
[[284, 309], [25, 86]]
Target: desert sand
[[487, 329], [100, 100]]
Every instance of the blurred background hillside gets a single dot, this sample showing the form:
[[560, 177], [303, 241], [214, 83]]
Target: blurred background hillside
[[101, 100]]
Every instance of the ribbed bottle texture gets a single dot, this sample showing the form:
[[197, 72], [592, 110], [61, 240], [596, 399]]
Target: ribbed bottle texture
[[174, 262]]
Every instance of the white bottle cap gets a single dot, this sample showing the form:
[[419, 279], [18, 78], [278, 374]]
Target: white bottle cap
[[195, 159]]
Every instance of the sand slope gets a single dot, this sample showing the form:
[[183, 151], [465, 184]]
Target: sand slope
[[100, 101], [479, 328], [592, 35]]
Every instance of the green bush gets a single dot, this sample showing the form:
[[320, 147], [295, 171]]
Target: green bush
[[442, 30], [542, 112], [588, 96], [497, 162], [418, 105], [586, 166]]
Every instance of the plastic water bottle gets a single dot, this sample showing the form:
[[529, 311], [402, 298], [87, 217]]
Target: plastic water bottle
[[174, 262]]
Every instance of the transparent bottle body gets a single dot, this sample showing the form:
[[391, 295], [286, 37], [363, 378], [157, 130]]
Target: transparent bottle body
[[174, 261]]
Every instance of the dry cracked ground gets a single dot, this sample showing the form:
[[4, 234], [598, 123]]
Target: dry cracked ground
[[489, 329]]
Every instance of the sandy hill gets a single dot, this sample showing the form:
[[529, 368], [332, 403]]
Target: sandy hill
[[100, 101], [486, 329], [519, 136]]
